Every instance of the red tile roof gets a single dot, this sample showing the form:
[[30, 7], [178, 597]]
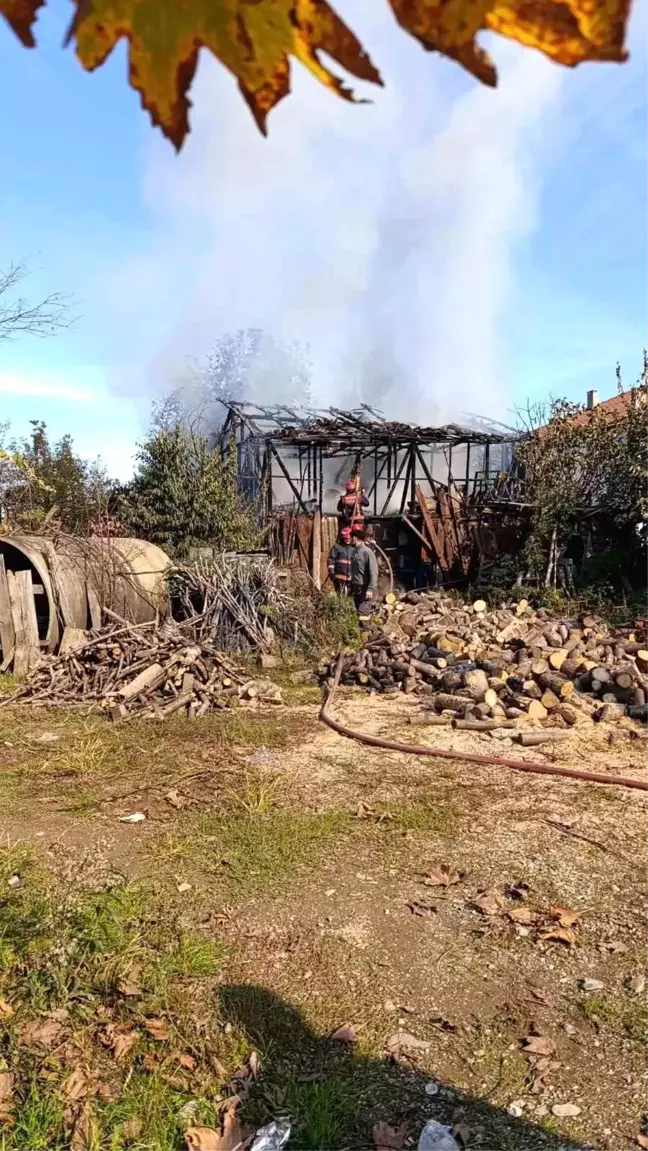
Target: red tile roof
[[612, 408]]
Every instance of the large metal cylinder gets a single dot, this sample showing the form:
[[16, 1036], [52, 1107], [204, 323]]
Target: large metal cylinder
[[71, 576]]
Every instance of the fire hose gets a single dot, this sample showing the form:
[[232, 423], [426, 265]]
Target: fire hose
[[467, 756]]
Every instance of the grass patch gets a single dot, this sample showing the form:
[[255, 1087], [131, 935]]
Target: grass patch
[[258, 851], [93, 760], [628, 1018]]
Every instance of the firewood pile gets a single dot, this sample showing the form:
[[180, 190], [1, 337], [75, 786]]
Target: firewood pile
[[483, 669], [143, 671]]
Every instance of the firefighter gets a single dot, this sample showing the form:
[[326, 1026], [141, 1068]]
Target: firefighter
[[352, 504], [339, 562], [364, 574]]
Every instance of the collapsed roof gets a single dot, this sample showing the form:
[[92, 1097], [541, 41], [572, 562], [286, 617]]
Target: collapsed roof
[[356, 428]]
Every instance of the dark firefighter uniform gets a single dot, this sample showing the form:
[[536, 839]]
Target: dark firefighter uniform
[[351, 507], [339, 564]]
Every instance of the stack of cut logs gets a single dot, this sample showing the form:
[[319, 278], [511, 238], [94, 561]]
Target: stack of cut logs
[[142, 671], [489, 668]]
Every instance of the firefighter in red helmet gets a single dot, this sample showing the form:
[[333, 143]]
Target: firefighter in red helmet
[[339, 561], [352, 504]]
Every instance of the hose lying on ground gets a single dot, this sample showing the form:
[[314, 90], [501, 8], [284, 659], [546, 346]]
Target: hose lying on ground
[[469, 756]]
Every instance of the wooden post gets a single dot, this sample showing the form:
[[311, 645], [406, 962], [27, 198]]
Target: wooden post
[[21, 654], [30, 622], [316, 549], [7, 631]]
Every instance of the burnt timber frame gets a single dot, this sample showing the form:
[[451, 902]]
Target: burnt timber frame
[[257, 434]]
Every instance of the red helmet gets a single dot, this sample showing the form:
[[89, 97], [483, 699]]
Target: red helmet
[[350, 485], [345, 534]]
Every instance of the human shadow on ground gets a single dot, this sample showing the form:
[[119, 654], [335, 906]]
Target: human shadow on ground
[[334, 1095]]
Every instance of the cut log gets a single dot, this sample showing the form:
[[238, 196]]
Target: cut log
[[611, 712], [638, 712], [623, 679], [479, 606], [491, 698], [481, 724], [639, 697], [430, 720], [22, 645], [549, 735], [550, 700], [531, 690], [476, 683], [444, 702], [557, 659], [539, 666], [147, 680], [570, 717], [536, 710], [600, 675]]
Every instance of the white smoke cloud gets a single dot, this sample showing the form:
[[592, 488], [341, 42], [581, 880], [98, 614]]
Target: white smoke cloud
[[382, 236]]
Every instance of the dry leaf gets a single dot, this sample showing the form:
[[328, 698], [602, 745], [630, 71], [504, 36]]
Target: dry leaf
[[174, 798], [76, 1086], [462, 1133], [422, 909], [132, 1129], [522, 915], [124, 1043], [254, 1063], [6, 1010], [637, 984], [344, 1034], [46, 1032], [7, 1112], [255, 41], [229, 1138], [130, 984], [440, 877], [538, 1045], [566, 916], [157, 1029], [642, 1140], [543, 996], [6, 1085], [386, 1137], [489, 902], [403, 1041], [187, 1061], [82, 1131], [219, 1068], [558, 935]]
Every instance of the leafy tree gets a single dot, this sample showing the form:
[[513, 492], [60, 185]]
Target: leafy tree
[[586, 474], [184, 495], [255, 41], [45, 484]]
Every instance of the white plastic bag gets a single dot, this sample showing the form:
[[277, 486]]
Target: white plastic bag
[[272, 1137], [437, 1137]]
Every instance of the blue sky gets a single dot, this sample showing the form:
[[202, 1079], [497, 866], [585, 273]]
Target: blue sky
[[445, 249]]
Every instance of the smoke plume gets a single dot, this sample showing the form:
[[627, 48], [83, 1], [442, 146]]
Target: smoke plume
[[383, 237]]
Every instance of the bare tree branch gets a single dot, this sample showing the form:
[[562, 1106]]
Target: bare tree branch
[[20, 316]]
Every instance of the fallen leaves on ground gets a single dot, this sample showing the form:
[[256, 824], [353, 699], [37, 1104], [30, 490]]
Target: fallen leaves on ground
[[175, 799], [404, 1041], [187, 1061], [489, 902], [558, 935], [230, 1136], [130, 985], [422, 909], [47, 1030], [157, 1029], [386, 1137], [344, 1034], [6, 1009], [6, 1098], [637, 984], [440, 877], [522, 915], [539, 1045], [543, 996], [256, 42], [77, 1086], [119, 1042], [565, 916]]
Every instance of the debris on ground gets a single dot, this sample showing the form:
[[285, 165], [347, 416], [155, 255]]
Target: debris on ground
[[436, 1136], [482, 670], [144, 671]]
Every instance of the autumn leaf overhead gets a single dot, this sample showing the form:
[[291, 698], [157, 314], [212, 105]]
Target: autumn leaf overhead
[[255, 39]]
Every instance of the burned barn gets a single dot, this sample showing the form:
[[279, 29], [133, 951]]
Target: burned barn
[[432, 491]]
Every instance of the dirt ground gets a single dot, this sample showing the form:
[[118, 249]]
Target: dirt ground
[[507, 999]]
